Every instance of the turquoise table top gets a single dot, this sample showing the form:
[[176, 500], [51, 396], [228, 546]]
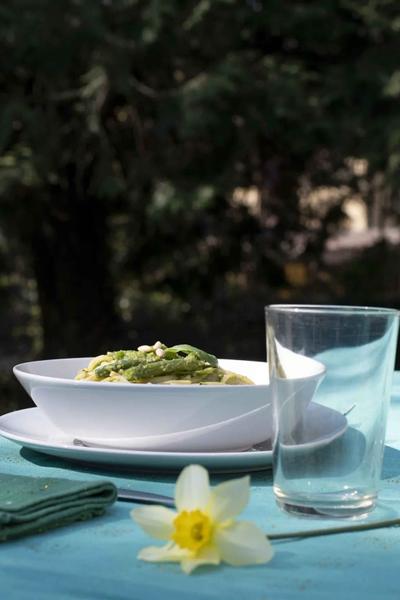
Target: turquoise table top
[[97, 559]]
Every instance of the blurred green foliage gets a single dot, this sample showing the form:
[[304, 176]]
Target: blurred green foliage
[[127, 128]]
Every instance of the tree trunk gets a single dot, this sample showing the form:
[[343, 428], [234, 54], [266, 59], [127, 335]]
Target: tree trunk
[[71, 265]]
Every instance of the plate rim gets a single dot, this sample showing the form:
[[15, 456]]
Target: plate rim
[[21, 438], [252, 459]]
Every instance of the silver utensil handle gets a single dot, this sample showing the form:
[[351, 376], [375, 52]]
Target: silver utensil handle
[[144, 497]]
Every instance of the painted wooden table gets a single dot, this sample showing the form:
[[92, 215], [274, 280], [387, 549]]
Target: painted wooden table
[[97, 559]]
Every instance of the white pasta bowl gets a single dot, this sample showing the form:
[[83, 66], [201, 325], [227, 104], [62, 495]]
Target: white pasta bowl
[[171, 417]]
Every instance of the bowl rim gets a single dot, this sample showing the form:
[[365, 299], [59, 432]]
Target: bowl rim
[[18, 371]]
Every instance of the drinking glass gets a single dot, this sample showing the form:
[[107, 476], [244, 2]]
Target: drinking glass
[[330, 371]]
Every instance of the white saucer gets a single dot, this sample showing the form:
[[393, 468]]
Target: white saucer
[[31, 428]]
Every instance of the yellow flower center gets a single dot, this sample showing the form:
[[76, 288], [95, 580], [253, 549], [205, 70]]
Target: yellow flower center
[[193, 530]]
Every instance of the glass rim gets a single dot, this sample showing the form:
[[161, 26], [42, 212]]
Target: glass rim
[[332, 309]]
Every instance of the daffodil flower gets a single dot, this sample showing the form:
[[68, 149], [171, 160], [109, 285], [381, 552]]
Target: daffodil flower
[[203, 530]]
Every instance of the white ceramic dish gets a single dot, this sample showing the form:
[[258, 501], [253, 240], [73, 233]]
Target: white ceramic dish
[[165, 417], [30, 428], [237, 434], [103, 410]]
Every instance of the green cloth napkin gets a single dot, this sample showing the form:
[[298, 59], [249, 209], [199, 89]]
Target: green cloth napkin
[[35, 504]]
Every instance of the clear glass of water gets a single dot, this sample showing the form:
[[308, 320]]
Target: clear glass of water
[[330, 373]]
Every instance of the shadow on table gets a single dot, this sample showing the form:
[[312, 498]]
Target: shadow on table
[[124, 472], [117, 472], [391, 469]]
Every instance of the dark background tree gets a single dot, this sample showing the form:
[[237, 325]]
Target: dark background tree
[[157, 159]]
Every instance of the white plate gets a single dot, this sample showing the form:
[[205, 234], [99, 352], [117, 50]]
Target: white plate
[[30, 428]]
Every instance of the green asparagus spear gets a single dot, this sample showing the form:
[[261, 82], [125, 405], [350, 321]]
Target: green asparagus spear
[[186, 350], [130, 360], [175, 366]]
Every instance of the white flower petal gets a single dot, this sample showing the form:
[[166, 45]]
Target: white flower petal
[[230, 498], [207, 556], [192, 490], [157, 521], [168, 553], [243, 543]]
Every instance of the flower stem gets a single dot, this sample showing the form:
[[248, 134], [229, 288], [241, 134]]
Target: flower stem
[[334, 530]]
